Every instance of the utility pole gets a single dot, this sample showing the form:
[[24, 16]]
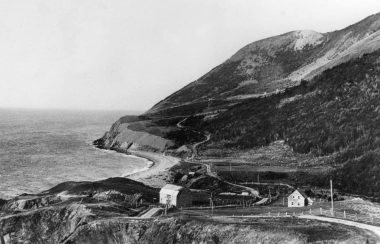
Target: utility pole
[[270, 196], [332, 198], [211, 205]]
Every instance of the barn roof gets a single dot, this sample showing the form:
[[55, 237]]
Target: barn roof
[[172, 187]]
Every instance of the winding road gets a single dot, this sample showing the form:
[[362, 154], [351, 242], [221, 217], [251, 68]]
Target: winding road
[[208, 167]]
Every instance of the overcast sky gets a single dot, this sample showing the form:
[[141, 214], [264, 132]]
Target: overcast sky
[[118, 54]]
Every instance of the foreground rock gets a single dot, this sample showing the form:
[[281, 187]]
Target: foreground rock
[[52, 216], [108, 211]]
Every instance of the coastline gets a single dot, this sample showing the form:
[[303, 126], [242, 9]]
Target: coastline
[[153, 173], [149, 163]]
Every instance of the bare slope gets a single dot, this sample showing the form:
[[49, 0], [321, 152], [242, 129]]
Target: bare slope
[[270, 65]]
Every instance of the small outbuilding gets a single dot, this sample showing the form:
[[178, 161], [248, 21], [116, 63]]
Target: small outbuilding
[[299, 199], [174, 195]]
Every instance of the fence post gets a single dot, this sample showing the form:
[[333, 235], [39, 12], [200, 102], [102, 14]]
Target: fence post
[[310, 211], [344, 214], [320, 210], [356, 217], [286, 214], [279, 215], [269, 214]]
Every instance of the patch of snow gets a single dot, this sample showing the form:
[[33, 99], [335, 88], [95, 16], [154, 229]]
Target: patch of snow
[[247, 83], [307, 37]]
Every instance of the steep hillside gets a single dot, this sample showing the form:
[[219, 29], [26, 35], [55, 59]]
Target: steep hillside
[[271, 65], [317, 94]]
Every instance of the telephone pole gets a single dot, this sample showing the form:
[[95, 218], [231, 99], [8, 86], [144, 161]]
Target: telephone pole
[[270, 196], [332, 198], [211, 205]]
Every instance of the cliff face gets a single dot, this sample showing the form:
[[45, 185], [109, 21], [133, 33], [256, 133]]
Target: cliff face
[[54, 215], [48, 225], [126, 134]]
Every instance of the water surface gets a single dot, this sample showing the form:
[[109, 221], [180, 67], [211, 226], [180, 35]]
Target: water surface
[[40, 148]]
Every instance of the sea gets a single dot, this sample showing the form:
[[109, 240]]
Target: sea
[[41, 148]]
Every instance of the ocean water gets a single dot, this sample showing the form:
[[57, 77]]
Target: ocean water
[[41, 148]]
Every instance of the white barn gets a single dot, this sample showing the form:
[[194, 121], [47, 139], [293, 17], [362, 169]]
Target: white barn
[[299, 199], [174, 195]]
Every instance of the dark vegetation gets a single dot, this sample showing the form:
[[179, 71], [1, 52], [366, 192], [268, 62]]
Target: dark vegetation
[[296, 179], [184, 136], [337, 112], [2, 202]]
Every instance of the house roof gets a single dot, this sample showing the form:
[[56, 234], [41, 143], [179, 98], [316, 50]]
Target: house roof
[[300, 192]]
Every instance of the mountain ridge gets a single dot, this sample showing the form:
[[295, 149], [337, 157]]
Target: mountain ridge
[[272, 64]]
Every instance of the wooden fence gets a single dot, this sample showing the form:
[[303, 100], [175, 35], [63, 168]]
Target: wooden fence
[[362, 218]]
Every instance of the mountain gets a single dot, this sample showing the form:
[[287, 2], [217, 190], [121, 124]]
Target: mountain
[[270, 65], [304, 101]]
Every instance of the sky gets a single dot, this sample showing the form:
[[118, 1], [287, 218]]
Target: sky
[[128, 55]]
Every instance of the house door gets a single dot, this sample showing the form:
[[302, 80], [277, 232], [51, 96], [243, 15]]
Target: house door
[[168, 200]]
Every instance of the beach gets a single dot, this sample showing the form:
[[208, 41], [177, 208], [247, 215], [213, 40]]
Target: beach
[[154, 175]]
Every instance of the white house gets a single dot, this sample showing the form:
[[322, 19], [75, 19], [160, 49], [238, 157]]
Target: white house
[[174, 195], [299, 199]]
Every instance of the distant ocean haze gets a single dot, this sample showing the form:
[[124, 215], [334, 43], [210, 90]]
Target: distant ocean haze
[[41, 148]]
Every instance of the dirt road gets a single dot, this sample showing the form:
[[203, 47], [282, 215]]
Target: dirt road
[[372, 228]]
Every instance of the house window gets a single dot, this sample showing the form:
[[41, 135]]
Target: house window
[[293, 197], [298, 197], [298, 204], [292, 203]]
